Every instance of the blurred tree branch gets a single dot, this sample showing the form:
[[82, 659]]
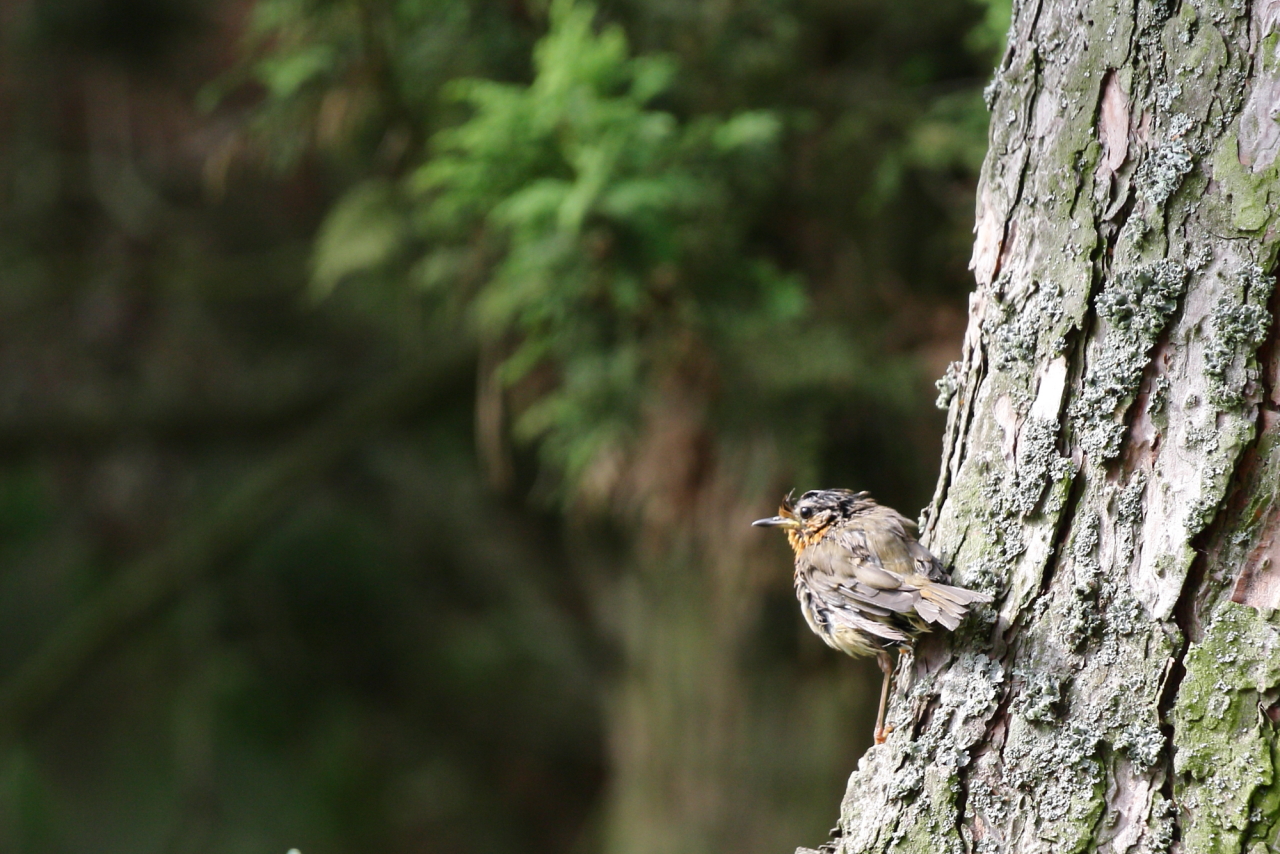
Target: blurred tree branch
[[208, 539]]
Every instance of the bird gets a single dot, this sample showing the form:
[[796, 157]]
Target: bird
[[865, 584]]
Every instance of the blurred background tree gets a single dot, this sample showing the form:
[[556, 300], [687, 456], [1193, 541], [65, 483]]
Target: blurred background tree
[[387, 386]]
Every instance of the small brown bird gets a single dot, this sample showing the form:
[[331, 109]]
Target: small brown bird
[[865, 585]]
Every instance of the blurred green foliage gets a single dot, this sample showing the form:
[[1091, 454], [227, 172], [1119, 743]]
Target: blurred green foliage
[[594, 231], [764, 205], [597, 231]]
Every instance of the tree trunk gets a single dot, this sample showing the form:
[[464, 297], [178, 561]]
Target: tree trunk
[[1111, 467], [694, 750]]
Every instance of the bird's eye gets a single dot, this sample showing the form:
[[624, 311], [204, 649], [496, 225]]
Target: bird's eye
[[806, 512]]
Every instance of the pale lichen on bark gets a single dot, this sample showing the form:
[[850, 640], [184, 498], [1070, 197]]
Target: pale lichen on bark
[[1111, 467]]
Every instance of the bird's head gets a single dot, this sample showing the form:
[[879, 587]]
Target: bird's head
[[807, 518]]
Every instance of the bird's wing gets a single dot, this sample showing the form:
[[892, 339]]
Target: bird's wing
[[838, 606], [873, 553], [925, 562], [839, 579]]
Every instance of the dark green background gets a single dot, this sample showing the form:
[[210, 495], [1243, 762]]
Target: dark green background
[[220, 224]]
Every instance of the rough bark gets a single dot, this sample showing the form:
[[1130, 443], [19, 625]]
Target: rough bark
[[1111, 467]]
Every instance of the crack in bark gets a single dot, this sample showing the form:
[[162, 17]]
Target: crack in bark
[[1061, 534], [1164, 708], [963, 418], [1078, 339], [952, 464], [962, 797], [954, 449], [1196, 595], [1268, 355], [1200, 594]]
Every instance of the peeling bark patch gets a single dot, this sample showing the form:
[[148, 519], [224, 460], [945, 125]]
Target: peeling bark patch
[[1149, 417], [1053, 382], [1006, 416], [1259, 131], [1113, 127], [1259, 128], [1258, 584], [985, 262]]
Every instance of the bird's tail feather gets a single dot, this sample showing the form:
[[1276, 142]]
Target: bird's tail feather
[[942, 603]]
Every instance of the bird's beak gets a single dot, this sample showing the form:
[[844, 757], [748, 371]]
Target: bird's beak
[[776, 522]]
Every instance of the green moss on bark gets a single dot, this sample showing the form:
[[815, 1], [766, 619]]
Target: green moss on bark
[[1254, 196], [1225, 743]]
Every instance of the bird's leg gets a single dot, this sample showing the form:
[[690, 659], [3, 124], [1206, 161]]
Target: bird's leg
[[886, 667]]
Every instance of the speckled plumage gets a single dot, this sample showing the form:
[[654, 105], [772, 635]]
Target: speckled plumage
[[864, 583]]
